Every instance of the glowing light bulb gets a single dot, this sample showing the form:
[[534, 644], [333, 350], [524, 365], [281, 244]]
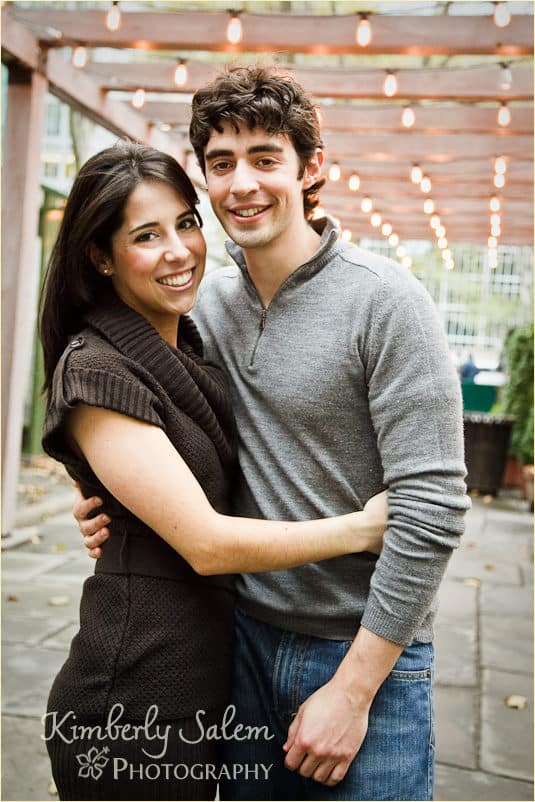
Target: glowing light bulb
[[181, 74], [407, 117], [406, 262], [363, 34], [79, 57], [495, 231], [346, 235], [366, 205], [416, 174], [138, 100], [401, 251], [492, 256], [376, 219], [449, 264], [499, 181], [429, 206], [425, 184], [446, 253], [390, 86], [393, 240], [504, 115], [494, 204], [386, 229], [442, 243], [234, 29], [354, 182], [492, 242], [500, 165], [113, 18], [440, 231], [495, 220], [335, 172], [435, 221], [506, 78], [502, 15]]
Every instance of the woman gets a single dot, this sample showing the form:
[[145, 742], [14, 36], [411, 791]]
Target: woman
[[140, 420]]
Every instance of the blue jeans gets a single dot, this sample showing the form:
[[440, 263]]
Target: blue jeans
[[276, 671]]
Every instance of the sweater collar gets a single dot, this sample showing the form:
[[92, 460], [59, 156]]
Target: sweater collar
[[195, 387], [330, 234]]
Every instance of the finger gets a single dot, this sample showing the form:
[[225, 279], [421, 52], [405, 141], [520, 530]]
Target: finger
[[337, 774], [91, 526], [295, 757], [309, 766], [95, 553], [97, 539], [323, 771], [83, 508], [292, 731]]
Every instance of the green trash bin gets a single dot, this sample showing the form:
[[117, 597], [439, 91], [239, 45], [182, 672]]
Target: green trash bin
[[486, 443]]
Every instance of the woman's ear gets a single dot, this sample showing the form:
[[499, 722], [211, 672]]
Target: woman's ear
[[313, 169], [100, 261]]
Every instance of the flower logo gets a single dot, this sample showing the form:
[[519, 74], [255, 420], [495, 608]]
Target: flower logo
[[91, 765]]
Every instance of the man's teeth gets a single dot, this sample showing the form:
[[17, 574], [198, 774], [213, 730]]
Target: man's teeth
[[177, 281], [248, 212]]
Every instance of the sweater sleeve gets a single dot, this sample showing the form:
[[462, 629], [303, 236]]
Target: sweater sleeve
[[86, 376], [416, 409]]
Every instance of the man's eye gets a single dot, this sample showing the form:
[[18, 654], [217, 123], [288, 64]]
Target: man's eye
[[266, 162], [220, 166]]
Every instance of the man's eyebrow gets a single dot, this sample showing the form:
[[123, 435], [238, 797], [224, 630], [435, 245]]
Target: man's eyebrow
[[266, 147], [154, 223]]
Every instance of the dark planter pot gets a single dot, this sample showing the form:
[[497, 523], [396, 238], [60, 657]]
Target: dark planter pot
[[486, 439]]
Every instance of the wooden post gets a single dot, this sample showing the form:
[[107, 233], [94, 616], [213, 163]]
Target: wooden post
[[20, 216]]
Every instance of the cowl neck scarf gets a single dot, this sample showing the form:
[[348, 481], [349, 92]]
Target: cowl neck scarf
[[197, 388]]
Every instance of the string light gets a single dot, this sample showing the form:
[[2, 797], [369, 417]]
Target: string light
[[138, 99], [506, 77], [181, 74], [165, 127], [363, 33], [386, 229], [113, 17], [492, 242], [440, 231], [449, 264], [499, 180], [401, 251], [390, 86], [406, 262], [407, 117], [416, 174], [425, 184], [500, 165], [366, 205], [376, 219], [504, 115], [435, 221], [446, 254], [234, 29], [502, 15], [494, 204], [495, 219], [429, 206], [393, 240], [79, 57], [335, 172], [354, 182], [492, 258], [442, 243], [346, 235]]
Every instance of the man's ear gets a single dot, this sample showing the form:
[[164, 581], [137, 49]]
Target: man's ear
[[313, 169], [100, 260]]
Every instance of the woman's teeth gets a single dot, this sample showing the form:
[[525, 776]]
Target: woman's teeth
[[177, 281], [249, 212]]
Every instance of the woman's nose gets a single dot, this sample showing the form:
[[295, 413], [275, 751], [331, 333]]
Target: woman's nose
[[175, 250]]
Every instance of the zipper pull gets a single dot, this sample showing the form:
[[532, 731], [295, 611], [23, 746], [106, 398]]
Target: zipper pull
[[263, 319]]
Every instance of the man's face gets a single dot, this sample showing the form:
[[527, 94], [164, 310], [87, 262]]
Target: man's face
[[253, 185]]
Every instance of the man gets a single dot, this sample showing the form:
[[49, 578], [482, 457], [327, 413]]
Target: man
[[342, 384]]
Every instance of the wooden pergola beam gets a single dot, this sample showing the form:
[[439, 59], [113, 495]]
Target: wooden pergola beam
[[436, 118], [476, 84], [319, 35], [474, 170]]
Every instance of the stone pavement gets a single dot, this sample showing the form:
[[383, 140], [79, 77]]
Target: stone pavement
[[484, 644]]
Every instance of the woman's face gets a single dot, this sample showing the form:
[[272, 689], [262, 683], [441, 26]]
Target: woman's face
[[158, 256]]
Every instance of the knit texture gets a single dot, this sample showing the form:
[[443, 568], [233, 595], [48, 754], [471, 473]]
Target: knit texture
[[343, 386], [146, 636]]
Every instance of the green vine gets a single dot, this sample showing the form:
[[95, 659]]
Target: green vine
[[518, 392]]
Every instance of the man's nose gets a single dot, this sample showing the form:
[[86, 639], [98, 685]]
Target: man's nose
[[243, 180]]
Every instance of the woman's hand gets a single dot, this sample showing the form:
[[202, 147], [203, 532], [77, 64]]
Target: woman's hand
[[376, 518]]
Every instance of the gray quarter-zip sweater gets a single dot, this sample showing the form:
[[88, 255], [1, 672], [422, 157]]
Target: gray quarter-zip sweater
[[342, 386]]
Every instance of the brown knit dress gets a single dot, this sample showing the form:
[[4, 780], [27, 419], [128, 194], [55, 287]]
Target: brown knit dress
[[155, 638]]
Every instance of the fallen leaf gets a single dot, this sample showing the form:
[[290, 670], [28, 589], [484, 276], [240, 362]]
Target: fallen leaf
[[12, 597], [52, 790], [516, 702], [489, 567], [58, 547], [471, 544], [488, 499], [472, 582], [58, 601]]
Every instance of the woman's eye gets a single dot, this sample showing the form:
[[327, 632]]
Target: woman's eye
[[147, 236], [187, 223]]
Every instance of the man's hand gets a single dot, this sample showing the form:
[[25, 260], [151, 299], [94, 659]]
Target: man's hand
[[326, 734], [93, 530], [330, 726]]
